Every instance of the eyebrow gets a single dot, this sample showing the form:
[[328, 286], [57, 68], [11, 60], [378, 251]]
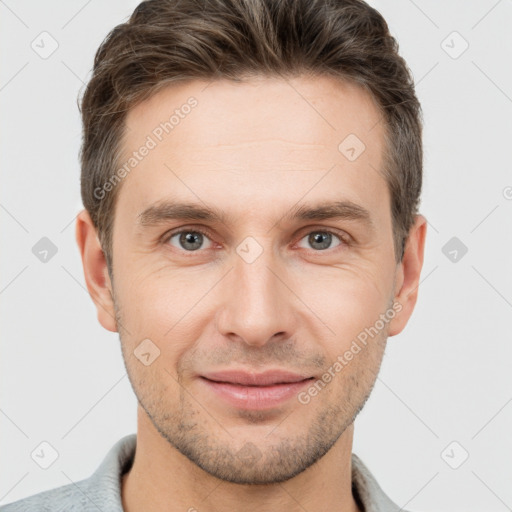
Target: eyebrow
[[168, 210]]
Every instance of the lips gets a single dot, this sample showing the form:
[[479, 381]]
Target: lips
[[245, 390], [268, 378]]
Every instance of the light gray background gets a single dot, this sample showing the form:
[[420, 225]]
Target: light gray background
[[445, 378]]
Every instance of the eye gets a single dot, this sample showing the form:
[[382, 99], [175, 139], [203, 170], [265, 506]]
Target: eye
[[322, 240], [188, 239], [191, 240]]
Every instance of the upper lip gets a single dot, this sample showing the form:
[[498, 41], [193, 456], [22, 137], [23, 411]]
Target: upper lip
[[246, 378]]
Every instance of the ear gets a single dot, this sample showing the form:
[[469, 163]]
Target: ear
[[408, 275], [95, 270]]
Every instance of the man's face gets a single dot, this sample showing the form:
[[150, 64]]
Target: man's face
[[262, 288]]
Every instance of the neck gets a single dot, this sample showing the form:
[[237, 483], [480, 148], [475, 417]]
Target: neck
[[162, 479]]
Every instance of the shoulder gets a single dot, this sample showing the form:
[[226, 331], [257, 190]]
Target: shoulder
[[66, 497], [368, 490], [101, 491]]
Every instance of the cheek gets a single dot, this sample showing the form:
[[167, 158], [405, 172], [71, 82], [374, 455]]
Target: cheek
[[348, 301], [162, 309], [150, 300]]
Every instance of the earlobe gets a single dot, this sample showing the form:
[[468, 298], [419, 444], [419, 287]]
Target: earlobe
[[95, 270], [408, 275]]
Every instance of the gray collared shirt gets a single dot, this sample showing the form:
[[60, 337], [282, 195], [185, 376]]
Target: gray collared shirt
[[102, 490]]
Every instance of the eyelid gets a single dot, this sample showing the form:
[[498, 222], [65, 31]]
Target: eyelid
[[342, 235], [194, 229], [344, 238]]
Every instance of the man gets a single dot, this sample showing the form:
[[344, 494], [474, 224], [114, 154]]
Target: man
[[251, 172]]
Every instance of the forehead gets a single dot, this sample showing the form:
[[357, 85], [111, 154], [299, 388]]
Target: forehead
[[302, 110], [261, 138]]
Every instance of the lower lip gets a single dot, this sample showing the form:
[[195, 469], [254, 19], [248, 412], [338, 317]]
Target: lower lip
[[255, 397]]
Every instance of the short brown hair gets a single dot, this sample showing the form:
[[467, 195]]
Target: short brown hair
[[165, 41]]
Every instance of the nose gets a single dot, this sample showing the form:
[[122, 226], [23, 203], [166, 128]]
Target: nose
[[257, 304]]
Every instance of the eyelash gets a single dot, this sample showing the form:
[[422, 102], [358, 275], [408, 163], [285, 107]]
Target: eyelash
[[344, 239]]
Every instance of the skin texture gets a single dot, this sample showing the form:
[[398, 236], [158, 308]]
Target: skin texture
[[254, 150]]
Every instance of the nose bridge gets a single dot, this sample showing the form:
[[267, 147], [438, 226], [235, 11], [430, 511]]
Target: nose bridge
[[256, 306]]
